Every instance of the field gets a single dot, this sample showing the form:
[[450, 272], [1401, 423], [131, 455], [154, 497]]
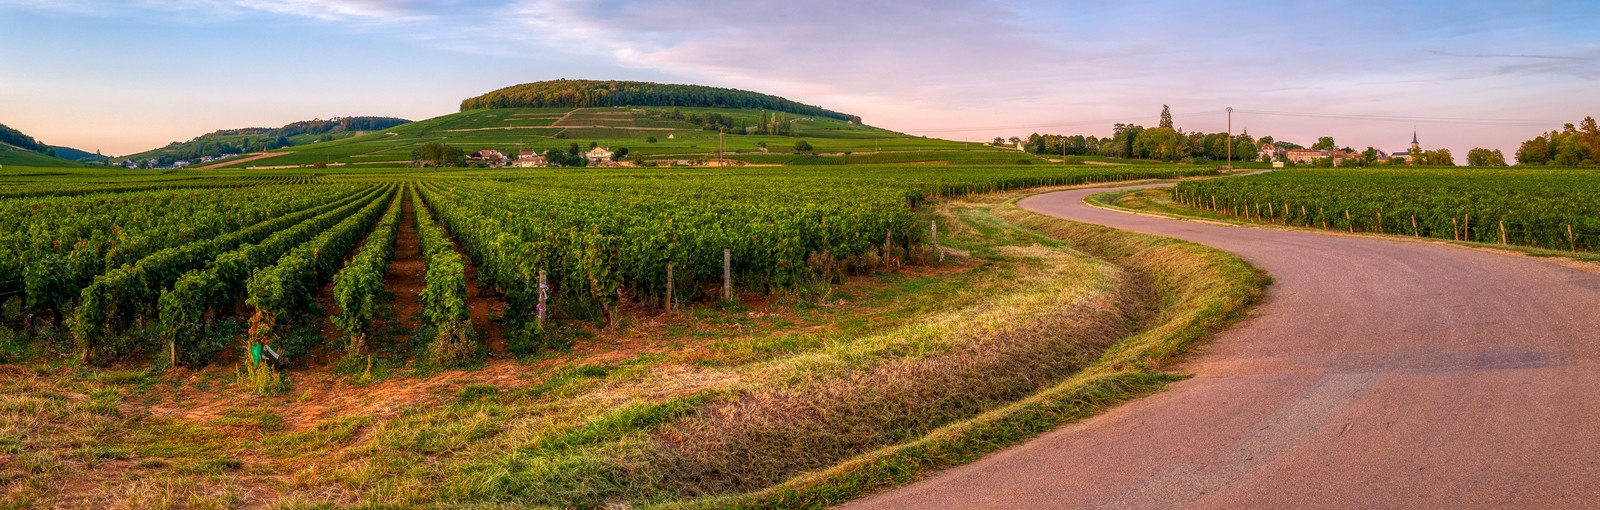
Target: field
[[426, 365], [538, 129], [1550, 209]]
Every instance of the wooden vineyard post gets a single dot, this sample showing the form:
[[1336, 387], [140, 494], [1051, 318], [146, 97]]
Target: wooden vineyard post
[[1213, 202], [172, 353], [1323, 214], [1377, 223], [1303, 214], [669, 287], [1466, 227], [1503, 232], [1572, 240], [1455, 228], [1271, 215], [934, 225], [727, 274], [1347, 222], [887, 236], [544, 298], [1414, 231]]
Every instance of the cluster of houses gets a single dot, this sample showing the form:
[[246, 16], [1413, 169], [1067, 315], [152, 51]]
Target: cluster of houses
[[598, 156], [1309, 156], [156, 164]]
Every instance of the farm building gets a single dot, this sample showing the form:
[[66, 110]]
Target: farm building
[[1305, 156], [598, 154], [531, 160], [488, 157]]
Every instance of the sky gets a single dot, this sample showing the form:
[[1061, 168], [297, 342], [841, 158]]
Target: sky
[[131, 75]]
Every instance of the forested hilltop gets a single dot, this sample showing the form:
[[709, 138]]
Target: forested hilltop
[[594, 93], [21, 141]]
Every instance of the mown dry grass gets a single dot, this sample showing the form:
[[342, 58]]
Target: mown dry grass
[[801, 401]]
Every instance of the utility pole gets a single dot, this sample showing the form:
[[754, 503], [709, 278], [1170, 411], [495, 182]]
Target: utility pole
[[1230, 138], [720, 146]]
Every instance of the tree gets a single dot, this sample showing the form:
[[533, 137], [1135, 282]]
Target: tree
[[1120, 145], [802, 146], [437, 154], [1324, 144], [1161, 143], [650, 139], [1245, 151], [1166, 118], [1534, 152], [620, 154], [1485, 157], [998, 141]]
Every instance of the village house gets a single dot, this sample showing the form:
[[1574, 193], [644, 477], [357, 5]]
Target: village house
[[598, 154], [1268, 151], [531, 160], [1309, 156], [489, 157]]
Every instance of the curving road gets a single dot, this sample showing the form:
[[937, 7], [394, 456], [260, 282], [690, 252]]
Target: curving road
[[1375, 374]]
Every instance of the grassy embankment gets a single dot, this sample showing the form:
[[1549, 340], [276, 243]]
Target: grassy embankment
[[1031, 322]]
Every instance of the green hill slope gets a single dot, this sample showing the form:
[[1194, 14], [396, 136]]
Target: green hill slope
[[11, 155], [652, 134], [239, 141]]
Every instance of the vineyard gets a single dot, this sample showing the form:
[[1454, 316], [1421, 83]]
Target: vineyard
[[1551, 209], [188, 264]]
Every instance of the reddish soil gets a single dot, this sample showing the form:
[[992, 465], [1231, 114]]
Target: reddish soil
[[483, 305], [405, 279]]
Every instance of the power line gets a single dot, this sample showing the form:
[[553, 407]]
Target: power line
[[1399, 118], [1121, 120]]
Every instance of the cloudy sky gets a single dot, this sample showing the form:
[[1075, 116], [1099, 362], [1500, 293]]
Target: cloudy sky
[[129, 75]]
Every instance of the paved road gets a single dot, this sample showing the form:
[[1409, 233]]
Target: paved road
[[1376, 374]]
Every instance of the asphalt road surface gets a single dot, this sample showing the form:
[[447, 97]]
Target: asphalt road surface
[[1375, 374]]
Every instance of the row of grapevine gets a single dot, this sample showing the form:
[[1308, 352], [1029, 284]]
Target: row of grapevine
[[1552, 209], [444, 298], [284, 291], [206, 293], [120, 296], [356, 287], [50, 249]]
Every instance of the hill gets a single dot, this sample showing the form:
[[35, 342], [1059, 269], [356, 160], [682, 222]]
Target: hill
[[20, 149], [595, 93], [81, 156], [226, 142], [653, 134]]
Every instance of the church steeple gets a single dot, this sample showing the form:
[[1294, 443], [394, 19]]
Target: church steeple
[[1414, 137]]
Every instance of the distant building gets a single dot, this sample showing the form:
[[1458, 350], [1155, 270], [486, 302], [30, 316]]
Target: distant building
[[1269, 151], [1308, 156], [180, 163], [1410, 156], [599, 154], [488, 157], [531, 160]]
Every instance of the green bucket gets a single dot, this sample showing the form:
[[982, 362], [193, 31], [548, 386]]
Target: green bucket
[[255, 353]]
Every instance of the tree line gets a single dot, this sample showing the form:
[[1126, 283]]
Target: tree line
[[1573, 146], [22, 141], [594, 93], [1570, 146]]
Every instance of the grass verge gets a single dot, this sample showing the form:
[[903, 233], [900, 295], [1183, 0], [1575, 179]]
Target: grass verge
[[1200, 289]]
